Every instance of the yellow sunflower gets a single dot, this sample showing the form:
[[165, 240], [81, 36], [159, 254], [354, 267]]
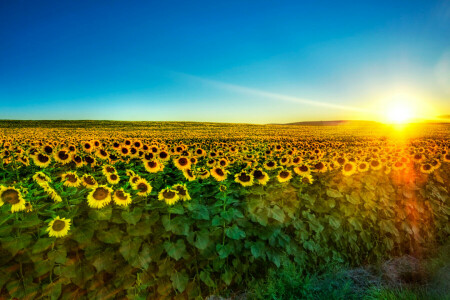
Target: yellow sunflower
[[89, 181], [244, 178], [113, 178], [10, 195], [143, 187], [219, 174], [260, 176], [363, 167], [71, 179], [41, 177], [376, 164], [170, 196], [58, 227], [203, 173], [182, 191], [349, 168], [41, 160], [307, 179], [122, 198], [182, 163], [302, 170], [152, 166], [188, 174], [426, 168], [99, 197], [284, 175]]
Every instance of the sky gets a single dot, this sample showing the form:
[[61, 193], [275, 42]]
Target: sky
[[223, 61]]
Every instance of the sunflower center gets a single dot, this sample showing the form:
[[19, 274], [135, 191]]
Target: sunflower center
[[270, 164], [427, 167], [152, 164], [10, 196], [305, 180], [142, 187], [71, 178], [110, 170], [58, 225], [348, 167], [244, 177], [89, 180], [63, 155], [183, 161], [169, 194], [100, 194], [258, 174], [181, 190], [42, 158], [375, 163], [163, 155], [113, 177], [319, 166], [121, 195], [284, 174], [219, 172]]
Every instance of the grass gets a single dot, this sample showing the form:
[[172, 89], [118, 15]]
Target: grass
[[338, 282]]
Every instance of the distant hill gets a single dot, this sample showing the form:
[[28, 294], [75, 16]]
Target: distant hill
[[331, 123]]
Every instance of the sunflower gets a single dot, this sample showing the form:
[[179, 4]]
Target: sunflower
[[260, 176], [223, 188], [211, 162], [163, 155], [130, 173], [170, 196], [426, 168], [47, 149], [363, 167], [77, 160], [375, 164], [219, 174], [398, 166], [284, 175], [88, 147], [244, 178], [108, 169], [307, 179], [188, 174], [41, 177], [71, 179], [152, 166], [28, 207], [418, 157], [124, 151], [62, 156], [302, 170], [10, 195], [349, 168], [51, 192], [446, 157], [182, 191], [58, 227], [320, 167], [270, 165], [203, 173], [41, 160], [101, 153], [436, 164], [143, 187], [182, 163], [113, 178], [133, 180], [99, 197], [89, 181], [122, 198]]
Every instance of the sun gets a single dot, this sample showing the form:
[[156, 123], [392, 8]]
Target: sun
[[399, 112]]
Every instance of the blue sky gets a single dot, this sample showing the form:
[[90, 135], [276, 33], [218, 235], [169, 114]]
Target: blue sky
[[225, 61]]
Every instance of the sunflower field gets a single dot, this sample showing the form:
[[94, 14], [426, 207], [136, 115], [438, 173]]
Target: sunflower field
[[173, 210]]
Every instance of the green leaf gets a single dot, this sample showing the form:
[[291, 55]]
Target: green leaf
[[30, 220], [15, 244], [234, 232], [227, 276], [59, 255], [175, 250], [130, 248], [143, 227], [355, 223], [334, 193], [224, 250], [176, 210], [104, 261], [201, 239], [41, 245], [277, 213], [258, 249], [200, 212], [206, 278], [43, 267], [102, 214], [112, 236], [132, 217], [84, 232], [334, 222], [179, 280], [178, 225]]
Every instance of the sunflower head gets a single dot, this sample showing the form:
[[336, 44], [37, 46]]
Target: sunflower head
[[58, 227], [143, 187], [168, 195], [218, 173], [99, 197], [13, 197], [284, 175], [182, 191], [122, 198], [260, 176], [244, 178]]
